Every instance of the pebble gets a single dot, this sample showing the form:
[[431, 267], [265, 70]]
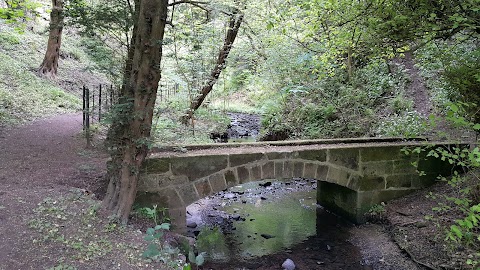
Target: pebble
[[266, 236], [288, 265], [191, 224]]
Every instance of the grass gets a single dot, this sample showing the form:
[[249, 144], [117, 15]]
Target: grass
[[23, 94]]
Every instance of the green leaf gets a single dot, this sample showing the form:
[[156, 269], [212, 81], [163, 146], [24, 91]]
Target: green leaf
[[163, 226], [151, 251], [458, 233], [200, 259], [191, 257], [476, 127], [149, 238], [187, 267], [270, 25], [150, 231], [453, 107]]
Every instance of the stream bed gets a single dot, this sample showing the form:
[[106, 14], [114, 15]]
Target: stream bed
[[259, 225]]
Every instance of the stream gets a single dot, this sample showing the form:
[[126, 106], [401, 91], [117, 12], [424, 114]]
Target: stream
[[259, 225]]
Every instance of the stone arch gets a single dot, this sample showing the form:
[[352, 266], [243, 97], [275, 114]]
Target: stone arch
[[350, 179]]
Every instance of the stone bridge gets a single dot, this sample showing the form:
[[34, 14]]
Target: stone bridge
[[352, 174]]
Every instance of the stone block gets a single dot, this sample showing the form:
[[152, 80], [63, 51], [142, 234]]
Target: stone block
[[167, 198], [348, 157], [217, 182], [287, 169], [310, 171], [178, 219], [400, 180], [298, 169], [338, 199], [279, 170], [315, 155], [256, 173], [188, 193], [243, 175], [380, 168], [367, 183], [196, 167], [148, 182], [230, 179], [155, 165], [240, 159], [203, 188], [322, 172], [268, 170], [337, 176], [382, 153], [148, 199], [403, 167], [281, 155], [173, 198], [172, 180]]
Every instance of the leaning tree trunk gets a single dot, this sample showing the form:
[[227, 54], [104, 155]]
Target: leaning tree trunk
[[49, 66], [131, 127], [234, 24]]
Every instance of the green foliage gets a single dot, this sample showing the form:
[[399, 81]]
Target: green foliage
[[334, 107], [160, 251], [158, 215], [18, 11], [408, 125], [106, 59], [9, 39], [198, 260], [464, 76], [465, 230]]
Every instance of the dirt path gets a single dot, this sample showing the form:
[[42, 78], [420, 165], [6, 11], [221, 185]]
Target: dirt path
[[416, 89], [42, 159]]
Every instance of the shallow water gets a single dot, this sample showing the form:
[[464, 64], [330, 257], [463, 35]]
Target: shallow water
[[285, 222], [278, 222]]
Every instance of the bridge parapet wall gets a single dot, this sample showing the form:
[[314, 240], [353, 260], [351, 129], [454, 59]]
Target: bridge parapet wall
[[350, 178]]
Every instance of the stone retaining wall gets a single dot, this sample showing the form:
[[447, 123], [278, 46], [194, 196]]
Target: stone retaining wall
[[350, 178]]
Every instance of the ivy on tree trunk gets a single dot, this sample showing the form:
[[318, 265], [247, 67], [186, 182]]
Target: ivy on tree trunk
[[130, 131], [49, 66]]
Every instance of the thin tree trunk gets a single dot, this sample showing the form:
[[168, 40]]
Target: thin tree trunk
[[233, 27], [49, 66], [132, 125]]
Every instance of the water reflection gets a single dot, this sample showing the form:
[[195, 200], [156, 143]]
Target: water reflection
[[270, 225]]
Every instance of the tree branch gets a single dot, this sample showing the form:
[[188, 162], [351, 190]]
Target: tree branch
[[191, 2]]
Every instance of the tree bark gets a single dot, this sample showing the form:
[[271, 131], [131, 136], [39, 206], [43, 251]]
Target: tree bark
[[131, 127], [49, 66], [233, 27]]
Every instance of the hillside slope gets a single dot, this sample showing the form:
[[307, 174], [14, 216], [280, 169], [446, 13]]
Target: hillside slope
[[25, 96]]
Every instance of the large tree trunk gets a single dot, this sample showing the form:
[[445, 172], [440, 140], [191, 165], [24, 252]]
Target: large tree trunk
[[130, 130], [49, 66], [234, 24]]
